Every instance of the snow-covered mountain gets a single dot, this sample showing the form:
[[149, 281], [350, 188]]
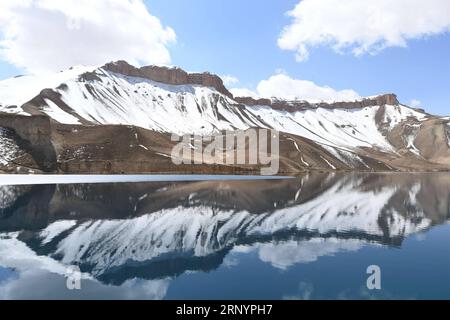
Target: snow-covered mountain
[[108, 97], [168, 100]]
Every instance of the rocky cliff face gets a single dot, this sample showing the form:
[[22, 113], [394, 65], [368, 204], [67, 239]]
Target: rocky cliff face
[[33, 138], [293, 106], [174, 76]]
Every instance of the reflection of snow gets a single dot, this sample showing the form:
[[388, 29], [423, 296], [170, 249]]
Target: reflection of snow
[[343, 218], [8, 148], [7, 196], [55, 229], [342, 208], [201, 231]]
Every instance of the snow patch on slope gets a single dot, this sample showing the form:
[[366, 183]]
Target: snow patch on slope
[[8, 196], [346, 128], [181, 109], [19, 90], [410, 138], [8, 148], [56, 113], [393, 115]]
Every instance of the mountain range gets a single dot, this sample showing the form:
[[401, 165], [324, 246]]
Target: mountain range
[[119, 119]]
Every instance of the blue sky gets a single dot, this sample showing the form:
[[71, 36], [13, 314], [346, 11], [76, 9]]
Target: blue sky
[[239, 38]]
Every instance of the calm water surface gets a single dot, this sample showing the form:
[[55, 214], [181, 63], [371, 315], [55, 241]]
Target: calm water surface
[[311, 237]]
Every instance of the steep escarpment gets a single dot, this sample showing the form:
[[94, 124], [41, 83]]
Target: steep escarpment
[[174, 76], [31, 140]]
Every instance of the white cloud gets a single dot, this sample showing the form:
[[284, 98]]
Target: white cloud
[[243, 92], [229, 80], [415, 103], [362, 26], [49, 35], [283, 86]]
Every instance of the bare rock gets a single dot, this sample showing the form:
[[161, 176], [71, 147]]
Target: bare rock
[[299, 105], [174, 76]]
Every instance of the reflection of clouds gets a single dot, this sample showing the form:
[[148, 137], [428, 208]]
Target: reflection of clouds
[[15, 254], [41, 284], [243, 249], [230, 261], [285, 254], [365, 294], [305, 292], [41, 277], [421, 237]]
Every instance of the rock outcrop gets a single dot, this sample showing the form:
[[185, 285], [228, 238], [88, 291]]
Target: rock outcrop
[[298, 105], [174, 76], [34, 136]]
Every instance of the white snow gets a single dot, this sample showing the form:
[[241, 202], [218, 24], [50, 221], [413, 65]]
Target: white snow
[[349, 158], [59, 115], [143, 147], [410, 138], [118, 99], [395, 114], [19, 90], [328, 162], [345, 128]]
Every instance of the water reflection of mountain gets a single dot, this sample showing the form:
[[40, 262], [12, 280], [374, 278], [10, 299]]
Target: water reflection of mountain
[[117, 232]]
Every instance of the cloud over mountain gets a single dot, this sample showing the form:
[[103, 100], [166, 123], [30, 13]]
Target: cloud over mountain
[[48, 35], [283, 86]]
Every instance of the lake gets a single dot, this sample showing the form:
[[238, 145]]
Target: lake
[[318, 236]]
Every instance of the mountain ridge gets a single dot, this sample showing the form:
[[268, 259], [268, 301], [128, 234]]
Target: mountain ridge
[[159, 101]]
